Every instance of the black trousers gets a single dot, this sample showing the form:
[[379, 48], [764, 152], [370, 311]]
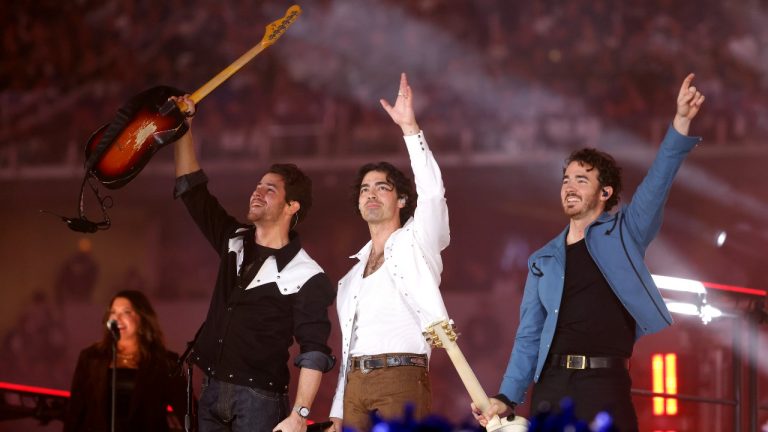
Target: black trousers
[[592, 391]]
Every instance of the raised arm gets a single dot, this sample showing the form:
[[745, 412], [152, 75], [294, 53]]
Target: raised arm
[[184, 149], [214, 222], [431, 214], [402, 113], [689, 101], [644, 213]]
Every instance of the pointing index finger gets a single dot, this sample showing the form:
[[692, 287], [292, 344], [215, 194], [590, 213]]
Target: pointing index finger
[[687, 82]]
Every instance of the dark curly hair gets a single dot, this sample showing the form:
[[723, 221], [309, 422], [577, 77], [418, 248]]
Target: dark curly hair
[[404, 187], [151, 339], [298, 187], [608, 172]]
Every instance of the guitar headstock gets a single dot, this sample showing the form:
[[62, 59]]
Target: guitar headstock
[[277, 28], [441, 333]]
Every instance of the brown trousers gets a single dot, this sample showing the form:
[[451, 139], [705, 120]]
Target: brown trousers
[[388, 391]]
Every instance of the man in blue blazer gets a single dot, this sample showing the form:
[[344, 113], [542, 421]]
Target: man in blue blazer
[[589, 295]]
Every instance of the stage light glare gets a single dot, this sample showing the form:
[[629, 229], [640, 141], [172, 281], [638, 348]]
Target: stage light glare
[[679, 284], [683, 308], [709, 312], [720, 238]]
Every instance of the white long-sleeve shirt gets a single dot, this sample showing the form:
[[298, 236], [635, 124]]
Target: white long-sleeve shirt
[[411, 259]]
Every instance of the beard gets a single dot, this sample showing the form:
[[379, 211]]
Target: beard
[[263, 213], [254, 216], [583, 206]]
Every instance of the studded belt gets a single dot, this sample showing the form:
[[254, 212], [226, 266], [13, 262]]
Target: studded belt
[[367, 363]]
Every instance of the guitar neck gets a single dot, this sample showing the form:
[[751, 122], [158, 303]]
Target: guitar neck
[[467, 375], [230, 70], [273, 32]]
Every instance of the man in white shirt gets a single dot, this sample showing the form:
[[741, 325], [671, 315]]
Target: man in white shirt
[[392, 293]]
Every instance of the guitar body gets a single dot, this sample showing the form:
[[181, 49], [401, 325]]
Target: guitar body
[[118, 151]]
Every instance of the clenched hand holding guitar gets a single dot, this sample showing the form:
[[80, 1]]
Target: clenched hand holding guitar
[[442, 334]]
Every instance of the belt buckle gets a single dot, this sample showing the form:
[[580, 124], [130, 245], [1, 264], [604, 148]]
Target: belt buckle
[[362, 361], [575, 362]]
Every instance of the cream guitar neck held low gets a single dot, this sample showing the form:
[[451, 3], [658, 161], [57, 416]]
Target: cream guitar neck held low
[[442, 334]]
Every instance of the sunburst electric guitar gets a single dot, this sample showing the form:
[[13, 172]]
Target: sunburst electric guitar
[[118, 151], [442, 334]]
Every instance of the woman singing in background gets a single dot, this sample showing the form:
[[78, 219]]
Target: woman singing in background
[[144, 386]]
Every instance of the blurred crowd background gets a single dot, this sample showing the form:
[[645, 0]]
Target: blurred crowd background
[[502, 76]]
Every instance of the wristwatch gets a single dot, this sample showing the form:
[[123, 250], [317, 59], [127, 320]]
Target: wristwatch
[[302, 411]]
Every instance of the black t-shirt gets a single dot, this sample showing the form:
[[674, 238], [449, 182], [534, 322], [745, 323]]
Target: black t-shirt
[[592, 321]]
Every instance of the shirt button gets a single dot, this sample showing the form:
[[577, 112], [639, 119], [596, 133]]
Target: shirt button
[[221, 340], [231, 376], [555, 310]]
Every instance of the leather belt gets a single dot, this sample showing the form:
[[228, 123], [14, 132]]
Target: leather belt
[[571, 361], [367, 363]]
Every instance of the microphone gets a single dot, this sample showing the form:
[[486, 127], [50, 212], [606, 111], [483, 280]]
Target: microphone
[[81, 225], [112, 327]]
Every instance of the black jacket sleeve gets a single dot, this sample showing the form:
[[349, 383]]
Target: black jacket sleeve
[[211, 218]]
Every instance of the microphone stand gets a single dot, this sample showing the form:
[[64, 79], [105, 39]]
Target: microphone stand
[[186, 357], [114, 382], [190, 394]]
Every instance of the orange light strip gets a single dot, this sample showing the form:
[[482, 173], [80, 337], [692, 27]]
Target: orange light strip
[[657, 368], [33, 389], [670, 382]]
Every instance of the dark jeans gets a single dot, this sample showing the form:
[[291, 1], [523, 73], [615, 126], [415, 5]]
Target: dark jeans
[[230, 407], [592, 391]]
